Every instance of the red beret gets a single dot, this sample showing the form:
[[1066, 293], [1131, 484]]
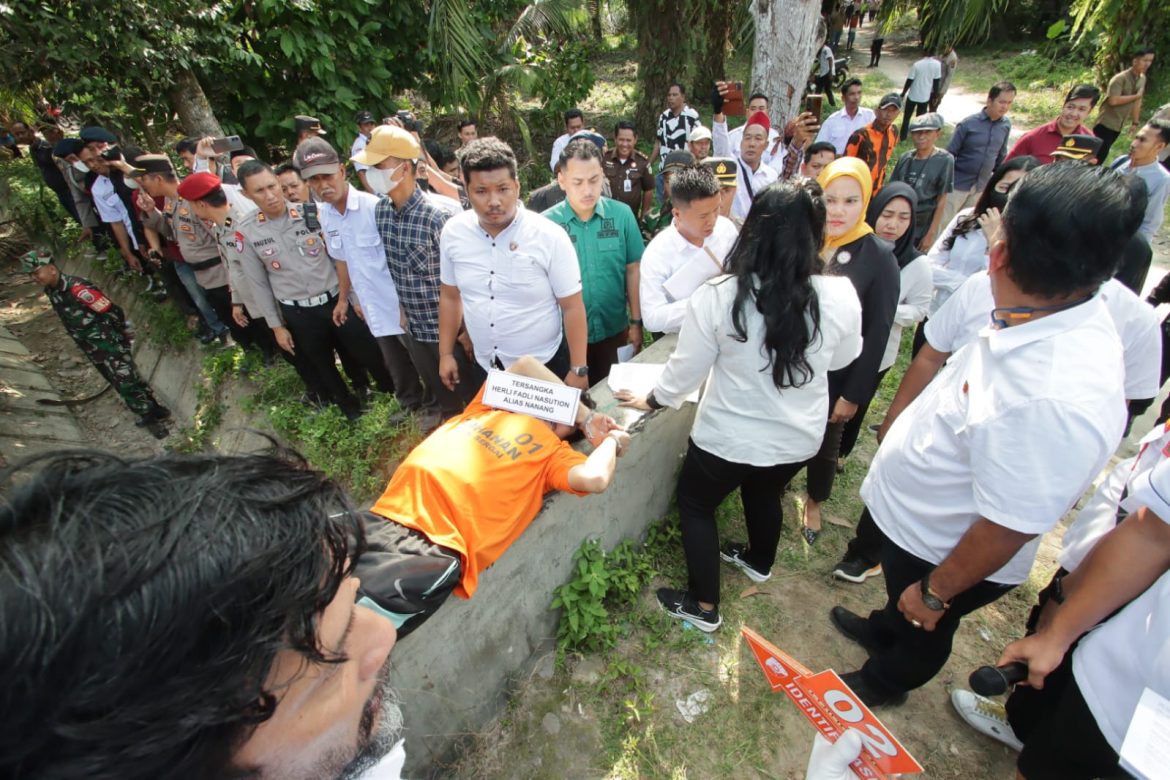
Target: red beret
[[761, 119], [198, 185]]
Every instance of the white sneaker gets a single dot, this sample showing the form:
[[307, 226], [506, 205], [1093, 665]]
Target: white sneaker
[[985, 716]]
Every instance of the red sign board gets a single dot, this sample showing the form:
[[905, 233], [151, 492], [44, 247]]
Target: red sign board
[[831, 707]]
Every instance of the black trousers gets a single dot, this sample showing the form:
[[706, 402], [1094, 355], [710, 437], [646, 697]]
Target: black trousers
[[824, 86], [852, 429], [1108, 137], [250, 337], [703, 483], [909, 657], [407, 386], [919, 338], [822, 467], [866, 544], [425, 355], [912, 109], [875, 52], [316, 337]]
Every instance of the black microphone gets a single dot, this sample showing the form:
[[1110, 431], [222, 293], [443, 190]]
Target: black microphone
[[996, 680]]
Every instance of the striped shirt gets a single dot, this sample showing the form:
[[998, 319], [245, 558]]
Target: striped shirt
[[673, 130], [410, 236]]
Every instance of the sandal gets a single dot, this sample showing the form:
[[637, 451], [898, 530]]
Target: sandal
[[810, 536]]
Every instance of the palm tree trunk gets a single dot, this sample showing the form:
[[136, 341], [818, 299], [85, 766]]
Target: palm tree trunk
[[662, 56], [595, 17]]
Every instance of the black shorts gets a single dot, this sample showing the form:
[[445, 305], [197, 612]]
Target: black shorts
[[1060, 735], [407, 576]]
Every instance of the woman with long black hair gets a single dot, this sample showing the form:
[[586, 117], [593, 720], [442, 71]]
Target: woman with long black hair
[[891, 215], [850, 250], [768, 333], [962, 248]]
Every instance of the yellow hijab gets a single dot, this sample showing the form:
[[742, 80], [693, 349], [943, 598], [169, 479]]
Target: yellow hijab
[[856, 169]]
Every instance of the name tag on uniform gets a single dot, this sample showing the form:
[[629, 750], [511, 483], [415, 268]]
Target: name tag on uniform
[[550, 401], [627, 186]]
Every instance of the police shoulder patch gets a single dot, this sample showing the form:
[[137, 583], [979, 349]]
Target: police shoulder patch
[[239, 242]]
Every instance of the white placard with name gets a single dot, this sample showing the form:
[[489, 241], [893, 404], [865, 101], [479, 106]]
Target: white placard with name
[[1146, 749], [550, 401]]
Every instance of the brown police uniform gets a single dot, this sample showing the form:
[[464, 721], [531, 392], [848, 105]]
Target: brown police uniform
[[629, 180]]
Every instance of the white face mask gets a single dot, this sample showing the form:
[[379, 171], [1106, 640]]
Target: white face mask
[[131, 183], [80, 167], [382, 180]]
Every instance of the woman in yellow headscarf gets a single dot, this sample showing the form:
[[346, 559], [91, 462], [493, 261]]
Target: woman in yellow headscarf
[[851, 250]]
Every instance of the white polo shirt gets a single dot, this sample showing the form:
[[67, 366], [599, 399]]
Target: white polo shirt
[[969, 310], [667, 254], [837, 128], [110, 207], [921, 77], [510, 284], [776, 426], [1131, 651], [353, 237], [1013, 429]]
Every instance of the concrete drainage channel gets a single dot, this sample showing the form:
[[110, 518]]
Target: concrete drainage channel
[[455, 672]]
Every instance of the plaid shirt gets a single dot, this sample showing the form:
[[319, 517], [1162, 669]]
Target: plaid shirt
[[410, 236]]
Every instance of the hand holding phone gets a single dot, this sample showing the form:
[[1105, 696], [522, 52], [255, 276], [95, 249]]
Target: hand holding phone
[[231, 143]]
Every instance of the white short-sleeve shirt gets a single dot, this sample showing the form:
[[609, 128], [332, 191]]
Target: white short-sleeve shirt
[[110, 207], [510, 284], [1131, 651], [359, 144], [968, 311], [667, 254], [922, 75], [353, 237], [777, 426], [1013, 429]]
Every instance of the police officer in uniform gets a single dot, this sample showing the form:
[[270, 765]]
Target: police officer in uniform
[[300, 293], [99, 327], [196, 241], [628, 171]]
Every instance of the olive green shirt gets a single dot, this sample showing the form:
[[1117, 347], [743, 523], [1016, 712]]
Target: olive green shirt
[[605, 245], [1121, 85]]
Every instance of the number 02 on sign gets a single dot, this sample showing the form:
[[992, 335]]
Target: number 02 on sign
[[831, 707]]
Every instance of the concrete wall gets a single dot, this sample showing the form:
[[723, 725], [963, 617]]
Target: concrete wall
[[453, 673]]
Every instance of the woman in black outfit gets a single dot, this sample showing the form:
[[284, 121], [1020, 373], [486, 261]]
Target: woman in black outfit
[[851, 250]]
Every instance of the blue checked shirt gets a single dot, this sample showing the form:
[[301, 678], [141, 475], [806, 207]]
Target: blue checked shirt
[[410, 236]]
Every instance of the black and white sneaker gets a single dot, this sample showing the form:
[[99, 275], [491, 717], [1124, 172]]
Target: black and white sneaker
[[733, 552], [680, 604], [856, 570]]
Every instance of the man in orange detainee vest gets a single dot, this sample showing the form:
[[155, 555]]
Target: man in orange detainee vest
[[467, 492]]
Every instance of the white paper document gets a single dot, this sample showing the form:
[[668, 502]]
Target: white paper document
[[639, 378], [688, 278], [1145, 753]]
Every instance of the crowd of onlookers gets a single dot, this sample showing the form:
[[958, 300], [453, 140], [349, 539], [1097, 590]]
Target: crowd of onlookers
[[789, 255]]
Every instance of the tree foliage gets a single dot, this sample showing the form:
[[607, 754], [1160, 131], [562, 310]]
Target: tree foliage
[[950, 22], [1118, 27]]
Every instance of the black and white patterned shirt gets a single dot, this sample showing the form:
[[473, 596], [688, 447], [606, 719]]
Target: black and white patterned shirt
[[673, 130]]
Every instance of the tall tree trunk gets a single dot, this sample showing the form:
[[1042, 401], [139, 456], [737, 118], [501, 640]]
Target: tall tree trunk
[[788, 35], [595, 17], [716, 22], [190, 103], [663, 53]]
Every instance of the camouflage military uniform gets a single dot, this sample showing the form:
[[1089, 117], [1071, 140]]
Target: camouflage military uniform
[[98, 325], [656, 220]]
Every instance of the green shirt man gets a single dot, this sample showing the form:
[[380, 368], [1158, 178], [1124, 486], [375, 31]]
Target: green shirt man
[[609, 248]]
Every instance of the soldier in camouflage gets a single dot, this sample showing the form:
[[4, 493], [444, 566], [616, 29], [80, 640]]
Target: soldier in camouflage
[[659, 218], [99, 327]]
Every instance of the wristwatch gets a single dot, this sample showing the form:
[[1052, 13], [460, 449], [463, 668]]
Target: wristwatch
[[580, 370], [930, 598], [636, 322]]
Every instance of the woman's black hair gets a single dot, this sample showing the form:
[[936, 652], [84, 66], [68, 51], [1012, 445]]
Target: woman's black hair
[[143, 603], [773, 262], [1023, 163]]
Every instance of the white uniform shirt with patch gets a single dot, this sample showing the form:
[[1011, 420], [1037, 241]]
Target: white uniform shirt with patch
[[1013, 429], [353, 237], [510, 284], [110, 207]]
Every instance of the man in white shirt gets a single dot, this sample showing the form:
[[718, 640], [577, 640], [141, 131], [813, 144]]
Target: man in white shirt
[[754, 174], [109, 206], [730, 141], [1074, 725], [510, 275], [687, 252], [922, 86], [352, 239], [366, 124], [970, 475], [574, 123], [853, 116]]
